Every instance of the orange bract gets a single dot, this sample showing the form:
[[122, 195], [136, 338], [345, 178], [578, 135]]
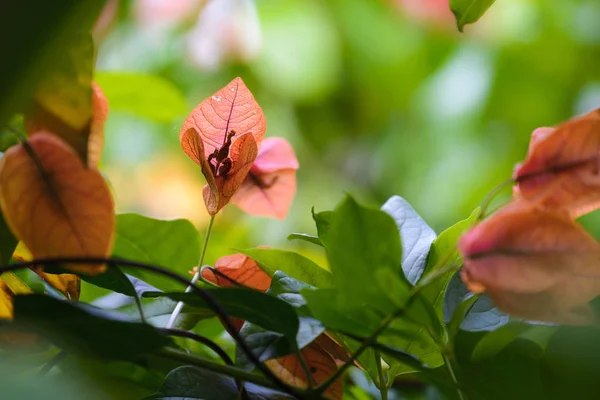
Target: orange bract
[[533, 264], [562, 170], [53, 204], [222, 135], [241, 269], [269, 188]]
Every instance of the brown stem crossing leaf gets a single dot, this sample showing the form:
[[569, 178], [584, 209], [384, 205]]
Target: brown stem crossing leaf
[[53, 204]]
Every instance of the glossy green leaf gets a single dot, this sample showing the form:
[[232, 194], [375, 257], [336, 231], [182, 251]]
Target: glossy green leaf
[[292, 264], [469, 11], [85, 329], [416, 236], [250, 305], [306, 238], [459, 315], [192, 383], [444, 253], [147, 96], [174, 245]]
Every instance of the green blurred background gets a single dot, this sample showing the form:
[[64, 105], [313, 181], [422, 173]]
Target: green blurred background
[[377, 97]]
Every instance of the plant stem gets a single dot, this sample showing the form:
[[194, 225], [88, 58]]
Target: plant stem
[[448, 364], [52, 363], [229, 370], [382, 386], [197, 275]]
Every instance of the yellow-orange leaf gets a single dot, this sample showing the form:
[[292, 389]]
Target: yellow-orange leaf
[[10, 285], [534, 264], [67, 284], [320, 364], [53, 204], [561, 172], [96, 136]]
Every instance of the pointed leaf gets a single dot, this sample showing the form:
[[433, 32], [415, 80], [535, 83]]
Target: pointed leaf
[[238, 268], [54, 205], [415, 234], [305, 237], [469, 11], [292, 264]]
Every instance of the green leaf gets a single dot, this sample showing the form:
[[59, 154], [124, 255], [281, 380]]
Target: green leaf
[[495, 341], [323, 222], [469, 11], [250, 305], [267, 345], [62, 102], [8, 242], [158, 311], [192, 383], [147, 96], [459, 315], [84, 329], [443, 253], [305, 237], [174, 245], [416, 236], [38, 49], [292, 264]]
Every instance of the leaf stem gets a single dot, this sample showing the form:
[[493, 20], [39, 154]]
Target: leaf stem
[[448, 365], [382, 385], [52, 363], [196, 277]]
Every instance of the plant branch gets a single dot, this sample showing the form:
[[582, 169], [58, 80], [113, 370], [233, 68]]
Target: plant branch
[[52, 363], [382, 386], [203, 294], [196, 277], [450, 369], [200, 339]]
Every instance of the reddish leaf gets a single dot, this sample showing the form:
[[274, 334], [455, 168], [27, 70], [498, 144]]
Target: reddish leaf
[[241, 269], [561, 172], [53, 204], [320, 364], [222, 135], [534, 264], [269, 188]]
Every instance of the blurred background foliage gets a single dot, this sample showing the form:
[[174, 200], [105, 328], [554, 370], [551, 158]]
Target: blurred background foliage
[[377, 97]]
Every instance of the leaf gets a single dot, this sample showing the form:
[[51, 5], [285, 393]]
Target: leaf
[[238, 268], [158, 311], [147, 96], [559, 173], [482, 316], [415, 234], [533, 264], [495, 341], [10, 285], [305, 237], [173, 244], [444, 252], [8, 243], [62, 102], [270, 186], [320, 364], [68, 284], [292, 264], [54, 205], [231, 108], [248, 305], [459, 315], [38, 50], [223, 135], [96, 136], [85, 330], [194, 383], [469, 11]]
